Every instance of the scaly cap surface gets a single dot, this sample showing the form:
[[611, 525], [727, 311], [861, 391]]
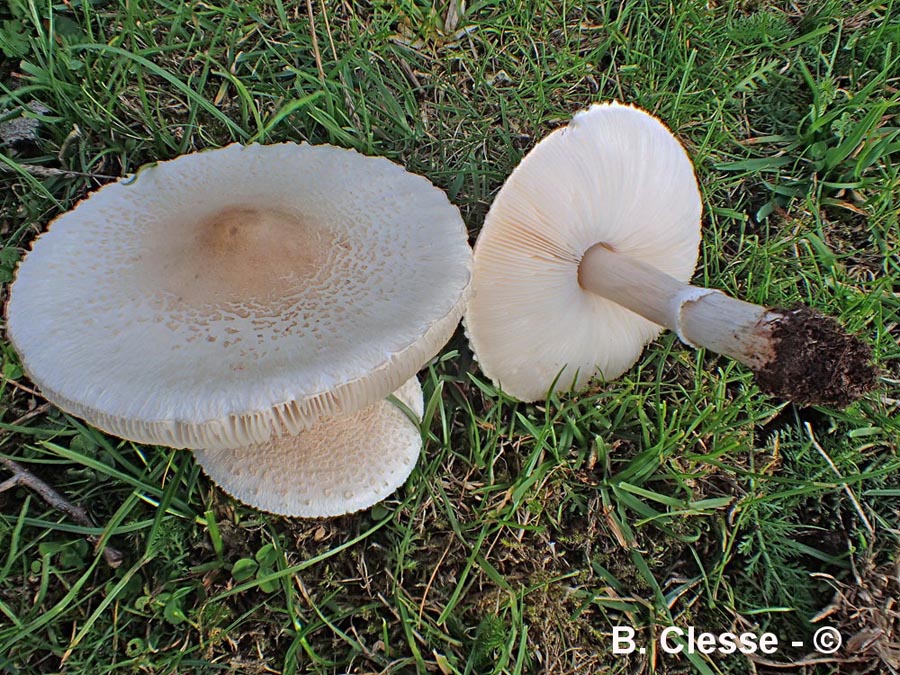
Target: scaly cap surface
[[340, 465], [230, 296]]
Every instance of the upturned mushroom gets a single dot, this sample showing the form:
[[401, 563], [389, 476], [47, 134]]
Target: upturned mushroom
[[586, 254], [229, 298], [340, 465]]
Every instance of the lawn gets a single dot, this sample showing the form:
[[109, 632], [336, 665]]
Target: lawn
[[678, 495]]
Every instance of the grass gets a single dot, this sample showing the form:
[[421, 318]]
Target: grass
[[677, 495]]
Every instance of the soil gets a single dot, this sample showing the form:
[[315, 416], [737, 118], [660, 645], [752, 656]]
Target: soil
[[816, 361]]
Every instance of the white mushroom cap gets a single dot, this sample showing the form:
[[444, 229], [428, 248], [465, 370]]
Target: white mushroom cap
[[230, 296], [339, 466], [614, 175]]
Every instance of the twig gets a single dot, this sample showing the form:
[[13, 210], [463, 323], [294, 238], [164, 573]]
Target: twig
[[802, 662], [40, 410], [50, 172], [348, 101], [431, 580], [856, 504], [24, 477], [315, 40], [20, 386], [328, 30]]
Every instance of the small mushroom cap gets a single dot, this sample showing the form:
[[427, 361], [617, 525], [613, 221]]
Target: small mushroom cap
[[340, 465], [230, 296], [614, 175]]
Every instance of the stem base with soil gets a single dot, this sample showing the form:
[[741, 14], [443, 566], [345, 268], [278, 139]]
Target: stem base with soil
[[798, 354]]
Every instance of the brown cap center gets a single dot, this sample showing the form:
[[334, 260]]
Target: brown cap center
[[242, 253]]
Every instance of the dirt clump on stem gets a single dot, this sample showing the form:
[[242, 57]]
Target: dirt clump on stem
[[816, 361]]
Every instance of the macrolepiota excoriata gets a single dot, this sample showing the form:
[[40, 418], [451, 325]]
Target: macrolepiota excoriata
[[585, 255], [230, 298]]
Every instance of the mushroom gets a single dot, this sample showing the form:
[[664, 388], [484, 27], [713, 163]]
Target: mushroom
[[230, 297], [338, 466], [586, 253]]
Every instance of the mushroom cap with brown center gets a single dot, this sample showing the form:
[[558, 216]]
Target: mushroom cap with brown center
[[615, 176], [230, 296]]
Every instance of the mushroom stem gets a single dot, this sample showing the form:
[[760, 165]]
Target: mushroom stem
[[796, 354], [701, 317]]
